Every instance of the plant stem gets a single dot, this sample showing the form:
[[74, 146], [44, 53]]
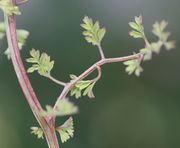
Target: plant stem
[[21, 2], [101, 51], [24, 81], [56, 81], [70, 85], [99, 74]]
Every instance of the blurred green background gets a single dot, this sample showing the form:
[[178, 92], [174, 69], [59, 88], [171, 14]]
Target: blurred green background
[[128, 112]]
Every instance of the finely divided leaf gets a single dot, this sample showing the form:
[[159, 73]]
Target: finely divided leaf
[[66, 130], [64, 108], [41, 63], [37, 132], [84, 87], [9, 8], [93, 33], [138, 29], [22, 36], [133, 66], [147, 52], [2, 30], [159, 31]]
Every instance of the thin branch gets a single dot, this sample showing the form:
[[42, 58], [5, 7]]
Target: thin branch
[[99, 74], [56, 81], [101, 51], [21, 2], [70, 85]]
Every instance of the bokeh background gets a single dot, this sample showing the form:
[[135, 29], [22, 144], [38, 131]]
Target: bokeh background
[[128, 112]]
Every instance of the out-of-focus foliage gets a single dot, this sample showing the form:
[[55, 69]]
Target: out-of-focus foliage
[[9, 8], [134, 66], [64, 108]]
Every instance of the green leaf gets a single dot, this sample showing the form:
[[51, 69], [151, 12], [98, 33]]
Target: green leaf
[[84, 87], [133, 66], [101, 34], [93, 33], [41, 63], [147, 52], [66, 131], [2, 30], [138, 20], [136, 34], [170, 45], [159, 30], [156, 46], [22, 36], [134, 25], [89, 91], [64, 108], [9, 8], [2, 27], [138, 29], [73, 77], [31, 70], [37, 132]]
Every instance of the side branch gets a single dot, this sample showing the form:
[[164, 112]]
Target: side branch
[[56, 81], [70, 85]]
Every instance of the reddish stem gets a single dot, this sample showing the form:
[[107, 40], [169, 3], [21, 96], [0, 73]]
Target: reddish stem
[[70, 85], [25, 84]]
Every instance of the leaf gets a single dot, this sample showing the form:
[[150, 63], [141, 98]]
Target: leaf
[[22, 36], [2, 27], [41, 63], [170, 45], [133, 66], [37, 132], [93, 33], [136, 34], [89, 91], [134, 25], [138, 20], [101, 33], [73, 77], [9, 8], [66, 131], [156, 46], [84, 87], [31, 70], [159, 30], [2, 30], [64, 108], [138, 29], [147, 52]]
